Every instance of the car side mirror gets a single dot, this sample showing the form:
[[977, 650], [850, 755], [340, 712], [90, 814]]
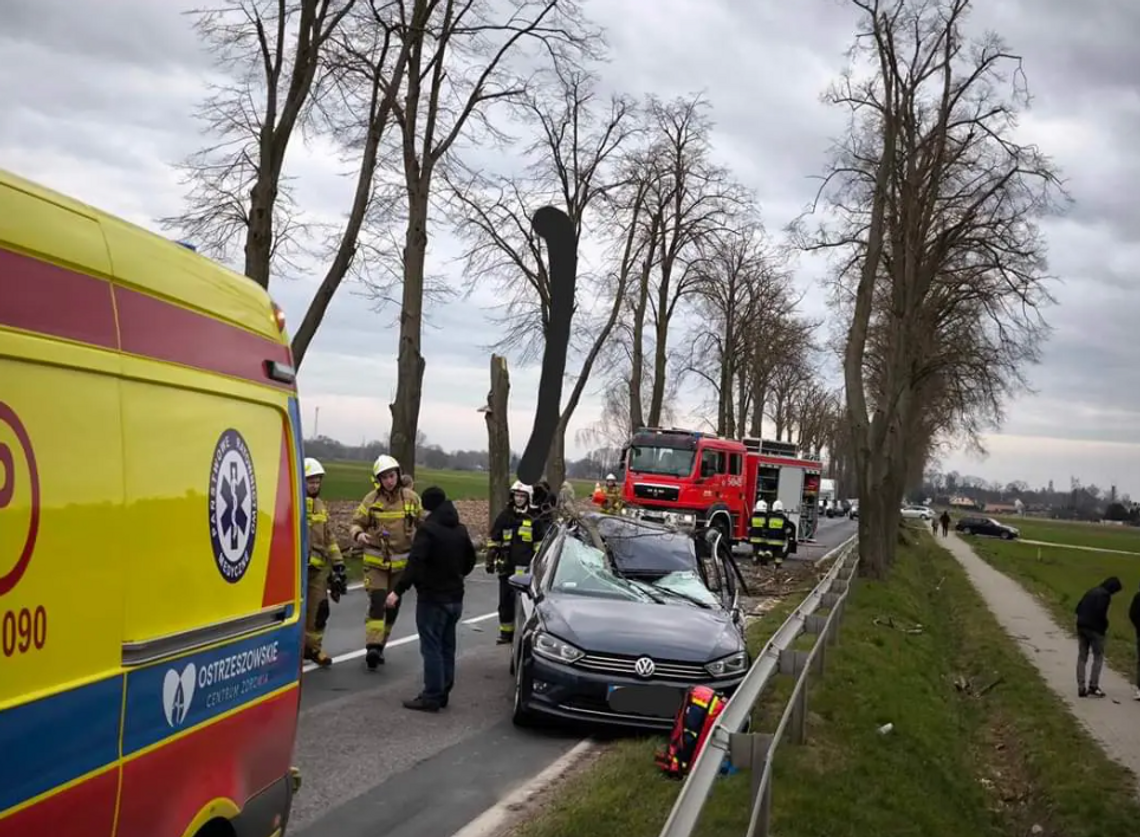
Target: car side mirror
[[711, 534], [522, 583]]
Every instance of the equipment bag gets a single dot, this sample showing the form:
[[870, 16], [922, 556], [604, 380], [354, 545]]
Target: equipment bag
[[699, 711]]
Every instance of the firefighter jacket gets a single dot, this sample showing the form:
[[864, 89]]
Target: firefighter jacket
[[612, 501], [389, 521], [323, 548], [777, 530], [515, 538], [758, 528]]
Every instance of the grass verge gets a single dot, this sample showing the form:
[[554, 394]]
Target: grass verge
[[352, 480], [1074, 533], [1059, 577], [980, 746]]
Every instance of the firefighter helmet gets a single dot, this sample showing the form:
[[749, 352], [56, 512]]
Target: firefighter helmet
[[383, 463], [777, 506], [761, 506], [522, 488], [313, 468], [611, 478]]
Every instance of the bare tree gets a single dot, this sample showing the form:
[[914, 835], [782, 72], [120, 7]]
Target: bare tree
[[271, 52], [458, 68], [577, 163], [937, 208], [690, 199]]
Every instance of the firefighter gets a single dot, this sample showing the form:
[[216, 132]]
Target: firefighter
[[612, 502], [758, 533], [515, 538], [327, 575], [383, 525], [779, 528]]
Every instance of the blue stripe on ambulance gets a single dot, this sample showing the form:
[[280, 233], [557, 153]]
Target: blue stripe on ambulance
[[57, 739], [176, 695]]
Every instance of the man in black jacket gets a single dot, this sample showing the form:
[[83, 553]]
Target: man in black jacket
[[1092, 627], [441, 556], [1134, 616]]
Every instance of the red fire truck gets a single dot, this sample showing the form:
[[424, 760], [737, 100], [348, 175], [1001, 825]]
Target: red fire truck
[[690, 479]]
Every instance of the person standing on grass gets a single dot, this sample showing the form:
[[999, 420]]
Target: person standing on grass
[[1092, 627], [441, 556], [1134, 615]]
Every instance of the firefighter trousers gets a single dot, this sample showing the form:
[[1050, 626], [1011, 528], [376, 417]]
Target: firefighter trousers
[[507, 601], [379, 618], [316, 609]]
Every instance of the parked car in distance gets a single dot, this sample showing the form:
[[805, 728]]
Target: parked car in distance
[[853, 512], [915, 512], [986, 526], [617, 618]]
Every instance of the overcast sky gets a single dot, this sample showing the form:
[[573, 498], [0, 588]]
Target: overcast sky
[[97, 99]]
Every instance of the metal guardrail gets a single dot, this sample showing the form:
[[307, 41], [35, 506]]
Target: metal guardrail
[[755, 751]]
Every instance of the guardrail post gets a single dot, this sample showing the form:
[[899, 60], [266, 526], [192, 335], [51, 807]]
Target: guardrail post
[[818, 626], [750, 750]]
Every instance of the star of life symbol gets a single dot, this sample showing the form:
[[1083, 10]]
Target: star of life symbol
[[178, 693], [233, 506]]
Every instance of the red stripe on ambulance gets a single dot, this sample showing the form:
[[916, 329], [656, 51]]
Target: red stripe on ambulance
[[83, 810], [281, 577], [44, 298]]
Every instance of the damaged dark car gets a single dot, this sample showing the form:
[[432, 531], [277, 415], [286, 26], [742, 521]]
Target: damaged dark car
[[618, 617]]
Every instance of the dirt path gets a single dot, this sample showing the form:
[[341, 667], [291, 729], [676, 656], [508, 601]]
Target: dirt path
[[1114, 721]]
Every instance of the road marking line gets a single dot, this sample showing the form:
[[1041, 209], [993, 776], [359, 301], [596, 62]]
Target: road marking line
[[492, 821], [394, 643]]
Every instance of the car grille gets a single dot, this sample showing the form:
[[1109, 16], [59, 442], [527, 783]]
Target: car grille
[[624, 667], [664, 493]]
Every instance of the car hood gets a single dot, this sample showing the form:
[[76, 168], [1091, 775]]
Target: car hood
[[677, 632]]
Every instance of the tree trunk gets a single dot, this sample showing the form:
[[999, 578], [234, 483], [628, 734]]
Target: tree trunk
[[636, 417], [660, 358], [259, 238], [498, 438], [556, 459], [410, 363]]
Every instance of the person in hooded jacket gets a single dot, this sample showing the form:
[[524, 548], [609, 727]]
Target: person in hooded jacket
[[441, 556], [1134, 617], [1092, 627]]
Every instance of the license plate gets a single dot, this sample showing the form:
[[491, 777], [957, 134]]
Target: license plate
[[651, 701]]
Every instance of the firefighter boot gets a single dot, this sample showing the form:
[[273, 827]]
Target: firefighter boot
[[318, 656]]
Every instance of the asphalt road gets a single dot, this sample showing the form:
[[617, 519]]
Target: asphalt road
[[371, 767]]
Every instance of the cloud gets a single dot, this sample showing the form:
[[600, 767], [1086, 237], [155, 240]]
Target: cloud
[[99, 105]]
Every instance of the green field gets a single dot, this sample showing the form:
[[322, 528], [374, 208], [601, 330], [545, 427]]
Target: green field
[[352, 480], [1059, 577], [980, 745], [1125, 538]]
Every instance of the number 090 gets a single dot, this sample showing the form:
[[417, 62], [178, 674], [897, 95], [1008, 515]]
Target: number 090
[[23, 630]]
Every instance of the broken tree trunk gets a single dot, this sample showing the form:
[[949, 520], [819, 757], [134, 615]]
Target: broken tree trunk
[[498, 438]]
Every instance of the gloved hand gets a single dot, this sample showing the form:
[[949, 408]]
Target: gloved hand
[[338, 582]]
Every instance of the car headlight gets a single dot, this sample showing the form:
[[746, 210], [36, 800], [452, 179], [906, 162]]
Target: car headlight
[[732, 664], [553, 648]]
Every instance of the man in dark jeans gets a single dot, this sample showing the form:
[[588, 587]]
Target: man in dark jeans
[[1092, 627], [441, 556], [1134, 616]]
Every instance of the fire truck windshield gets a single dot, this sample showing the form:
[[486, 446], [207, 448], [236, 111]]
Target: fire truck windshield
[[671, 462]]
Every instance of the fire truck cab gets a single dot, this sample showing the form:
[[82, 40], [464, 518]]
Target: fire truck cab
[[691, 479]]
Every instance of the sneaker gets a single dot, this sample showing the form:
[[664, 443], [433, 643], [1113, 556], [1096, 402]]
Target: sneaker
[[1095, 691], [421, 705], [1082, 691]]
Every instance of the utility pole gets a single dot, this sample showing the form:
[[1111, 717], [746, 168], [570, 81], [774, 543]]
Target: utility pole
[[317, 423]]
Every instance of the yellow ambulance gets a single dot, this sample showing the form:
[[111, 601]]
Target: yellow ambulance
[[151, 534]]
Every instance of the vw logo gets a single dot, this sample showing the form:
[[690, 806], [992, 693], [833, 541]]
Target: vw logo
[[644, 667]]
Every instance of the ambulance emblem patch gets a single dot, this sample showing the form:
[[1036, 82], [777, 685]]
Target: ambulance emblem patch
[[233, 506]]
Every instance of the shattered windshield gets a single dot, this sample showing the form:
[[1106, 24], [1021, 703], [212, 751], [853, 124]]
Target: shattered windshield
[[669, 462], [581, 569]]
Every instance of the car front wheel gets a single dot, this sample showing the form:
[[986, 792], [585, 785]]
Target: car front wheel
[[1007, 536], [967, 531], [519, 714]]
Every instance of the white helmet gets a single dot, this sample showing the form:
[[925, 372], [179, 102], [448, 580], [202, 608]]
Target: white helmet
[[313, 468], [761, 506], [383, 463], [777, 506], [522, 487], [611, 478]]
